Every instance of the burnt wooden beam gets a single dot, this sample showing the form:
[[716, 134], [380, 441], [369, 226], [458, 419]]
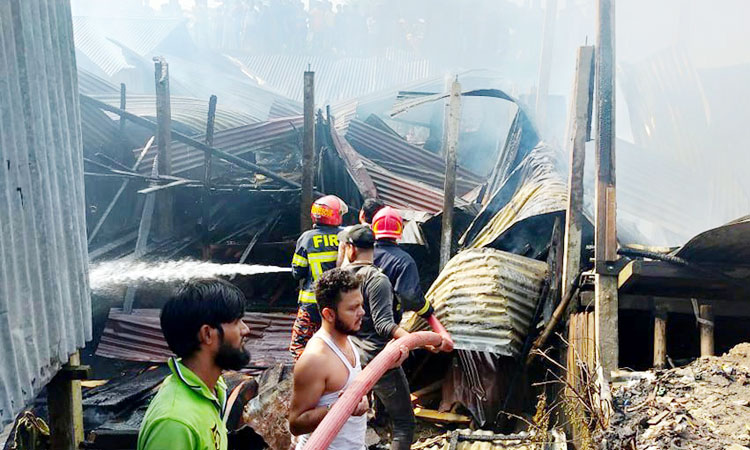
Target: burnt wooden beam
[[179, 137], [663, 279], [308, 150]]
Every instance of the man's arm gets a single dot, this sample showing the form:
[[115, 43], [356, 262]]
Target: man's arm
[[309, 385], [410, 292], [380, 295]]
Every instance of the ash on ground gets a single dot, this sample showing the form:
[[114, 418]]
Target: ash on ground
[[704, 405]]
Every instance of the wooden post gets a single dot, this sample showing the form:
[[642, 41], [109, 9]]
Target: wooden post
[[605, 288], [65, 407], [123, 96], [707, 330], [164, 215], [545, 64], [581, 118], [308, 150], [449, 190], [206, 197], [660, 337]]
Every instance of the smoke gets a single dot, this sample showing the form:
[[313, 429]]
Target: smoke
[[110, 275]]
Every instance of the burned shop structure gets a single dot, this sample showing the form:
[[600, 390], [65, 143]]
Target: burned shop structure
[[128, 147]]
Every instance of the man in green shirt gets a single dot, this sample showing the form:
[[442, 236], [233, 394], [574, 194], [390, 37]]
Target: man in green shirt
[[203, 326]]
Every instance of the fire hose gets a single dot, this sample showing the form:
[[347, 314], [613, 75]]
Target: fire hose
[[340, 412]]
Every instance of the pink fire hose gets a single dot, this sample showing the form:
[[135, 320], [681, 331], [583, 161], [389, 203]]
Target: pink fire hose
[[345, 405]]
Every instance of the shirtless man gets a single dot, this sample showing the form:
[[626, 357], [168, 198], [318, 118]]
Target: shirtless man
[[330, 363]]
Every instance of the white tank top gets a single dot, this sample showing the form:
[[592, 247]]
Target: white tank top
[[352, 434]]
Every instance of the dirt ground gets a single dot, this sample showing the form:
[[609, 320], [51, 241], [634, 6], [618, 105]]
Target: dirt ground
[[704, 405]]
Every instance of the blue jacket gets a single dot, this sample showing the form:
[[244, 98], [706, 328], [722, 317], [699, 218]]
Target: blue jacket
[[401, 270]]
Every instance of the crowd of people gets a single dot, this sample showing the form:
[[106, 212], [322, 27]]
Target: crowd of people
[[354, 285]]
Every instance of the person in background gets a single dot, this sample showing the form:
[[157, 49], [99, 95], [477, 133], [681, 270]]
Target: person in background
[[356, 247], [314, 254], [203, 326], [400, 268], [330, 363], [369, 208]]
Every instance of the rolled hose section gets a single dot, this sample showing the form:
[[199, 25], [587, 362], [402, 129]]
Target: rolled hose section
[[340, 412], [438, 328]]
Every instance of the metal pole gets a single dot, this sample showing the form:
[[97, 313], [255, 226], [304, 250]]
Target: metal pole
[[582, 101], [605, 289], [308, 150], [449, 191], [164, 220], [207, 162]]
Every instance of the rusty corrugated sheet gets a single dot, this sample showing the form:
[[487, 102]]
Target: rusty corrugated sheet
[[403, 193], [487, 440], [45, 306], [486, 299], [138, 337], [237, 141], [405, 159]]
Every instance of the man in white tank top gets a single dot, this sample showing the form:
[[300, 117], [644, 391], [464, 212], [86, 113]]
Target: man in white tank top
[[330, 363]]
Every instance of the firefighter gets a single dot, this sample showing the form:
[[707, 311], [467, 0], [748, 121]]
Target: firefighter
[[400, 268], [315, 253]]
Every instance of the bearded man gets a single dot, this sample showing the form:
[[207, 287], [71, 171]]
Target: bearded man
[[330, 363], [203, 326]]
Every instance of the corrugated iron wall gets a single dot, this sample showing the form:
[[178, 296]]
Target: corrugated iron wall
[[45, 308]]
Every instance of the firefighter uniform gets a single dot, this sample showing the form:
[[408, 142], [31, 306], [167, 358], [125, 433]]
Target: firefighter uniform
[[315, 253], [401, 270]]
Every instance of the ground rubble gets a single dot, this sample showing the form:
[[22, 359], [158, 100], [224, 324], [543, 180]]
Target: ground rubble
[[704, 405]]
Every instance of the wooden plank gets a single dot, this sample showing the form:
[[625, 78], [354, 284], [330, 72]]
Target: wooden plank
[[165, 199], [65, 410], [123, 97], [308, 151], [660, 337], [605, 240], [663, 279], [432, 415], [707, 330], [581, 118], [206, 194], [453, 123]]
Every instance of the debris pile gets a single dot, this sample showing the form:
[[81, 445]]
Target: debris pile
[[705, 405]]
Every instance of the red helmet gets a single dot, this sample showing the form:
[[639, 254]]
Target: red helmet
[[328, 210], [387, 223]]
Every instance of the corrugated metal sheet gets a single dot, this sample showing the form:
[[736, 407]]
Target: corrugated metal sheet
[[91, 42], [403, 193], [487, 440], [335, 79], [486, 299], [138, 337], [191, 112], [91, 84], [405, 159], [534, 188], [237, 141], [45, 307]]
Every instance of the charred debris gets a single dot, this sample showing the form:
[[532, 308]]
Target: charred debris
[[546, 292]]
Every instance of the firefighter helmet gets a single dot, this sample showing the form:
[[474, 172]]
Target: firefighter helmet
[[387, 223], [328, 210]]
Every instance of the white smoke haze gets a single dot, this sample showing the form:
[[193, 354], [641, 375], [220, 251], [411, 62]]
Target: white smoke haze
[[110, 275]]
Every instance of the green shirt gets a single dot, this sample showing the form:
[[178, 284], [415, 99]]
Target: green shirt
[[185, 414]]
